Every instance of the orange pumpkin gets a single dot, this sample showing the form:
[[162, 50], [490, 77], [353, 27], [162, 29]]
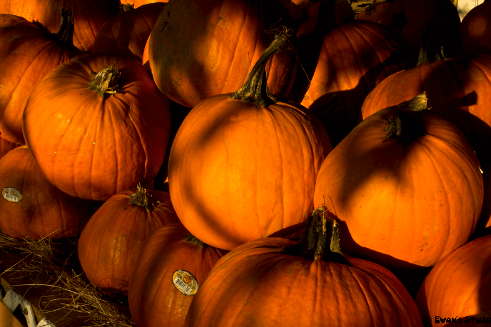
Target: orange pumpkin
[[89, 15], [243, 165], [171, 267], [97, 125], [202, 48], [27, 53], [126, 34], [31, 207], [458, 287], [475, 30], [406, 185], [278, 282], [111, 242]]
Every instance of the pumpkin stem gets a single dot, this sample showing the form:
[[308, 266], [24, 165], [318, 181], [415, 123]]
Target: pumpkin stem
[[143, 199], [194, 239], [320, 227], [106, 81], [406, 115], [64, 36], [255, 89]]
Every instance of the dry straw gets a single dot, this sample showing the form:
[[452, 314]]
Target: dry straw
[[50, 269]]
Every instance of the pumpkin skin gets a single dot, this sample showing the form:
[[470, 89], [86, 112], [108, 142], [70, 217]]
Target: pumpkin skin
[[405, 205], [355, 56], [27, 54], [153, 299], [475, 29], [89, 16], [219, 42], [245, 172], [93, 148], [37, 208], [458, 286], [457, 88], [139, 3], [260, 284], [126, 34], [111, 242]]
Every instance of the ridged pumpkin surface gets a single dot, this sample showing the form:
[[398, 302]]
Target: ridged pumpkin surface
[[31, 207], [158, 294], [111, 242], [92, 147], [203, 48], [261, 284], [239, 171], [404, 204]]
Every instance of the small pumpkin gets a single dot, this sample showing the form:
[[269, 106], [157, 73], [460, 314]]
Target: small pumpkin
[[172, 266], [406, 185], [111, 242], [275, 281], [30, 207], [243, 165], [458, 287], [97, 125]]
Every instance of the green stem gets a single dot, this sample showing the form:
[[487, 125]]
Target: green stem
[[143, 199], [106, 81], [255, 90]]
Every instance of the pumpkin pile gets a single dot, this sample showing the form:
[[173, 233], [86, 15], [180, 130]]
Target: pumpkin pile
[[253, 162]]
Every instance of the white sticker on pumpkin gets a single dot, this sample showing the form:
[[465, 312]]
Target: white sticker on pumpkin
[[185, 282], [11, 194]]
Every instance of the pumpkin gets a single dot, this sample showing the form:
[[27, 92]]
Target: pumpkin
[[354, 57], [275, 281], [202, 48], [126, 34], [111, 242], [171, 267], [457, 88], [89, 15], [456, 291], [31, 207], [97, 125], [406, 185], [475, 30], [27, 53], [413, 18], [243, 165]]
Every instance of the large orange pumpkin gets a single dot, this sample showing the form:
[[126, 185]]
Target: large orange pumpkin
[[111, 242], [243, 165], [202, 48], [27, 53], [171, 267], [406, 196], [278, 282], [30, 207], [456, 291], [97, 125]]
